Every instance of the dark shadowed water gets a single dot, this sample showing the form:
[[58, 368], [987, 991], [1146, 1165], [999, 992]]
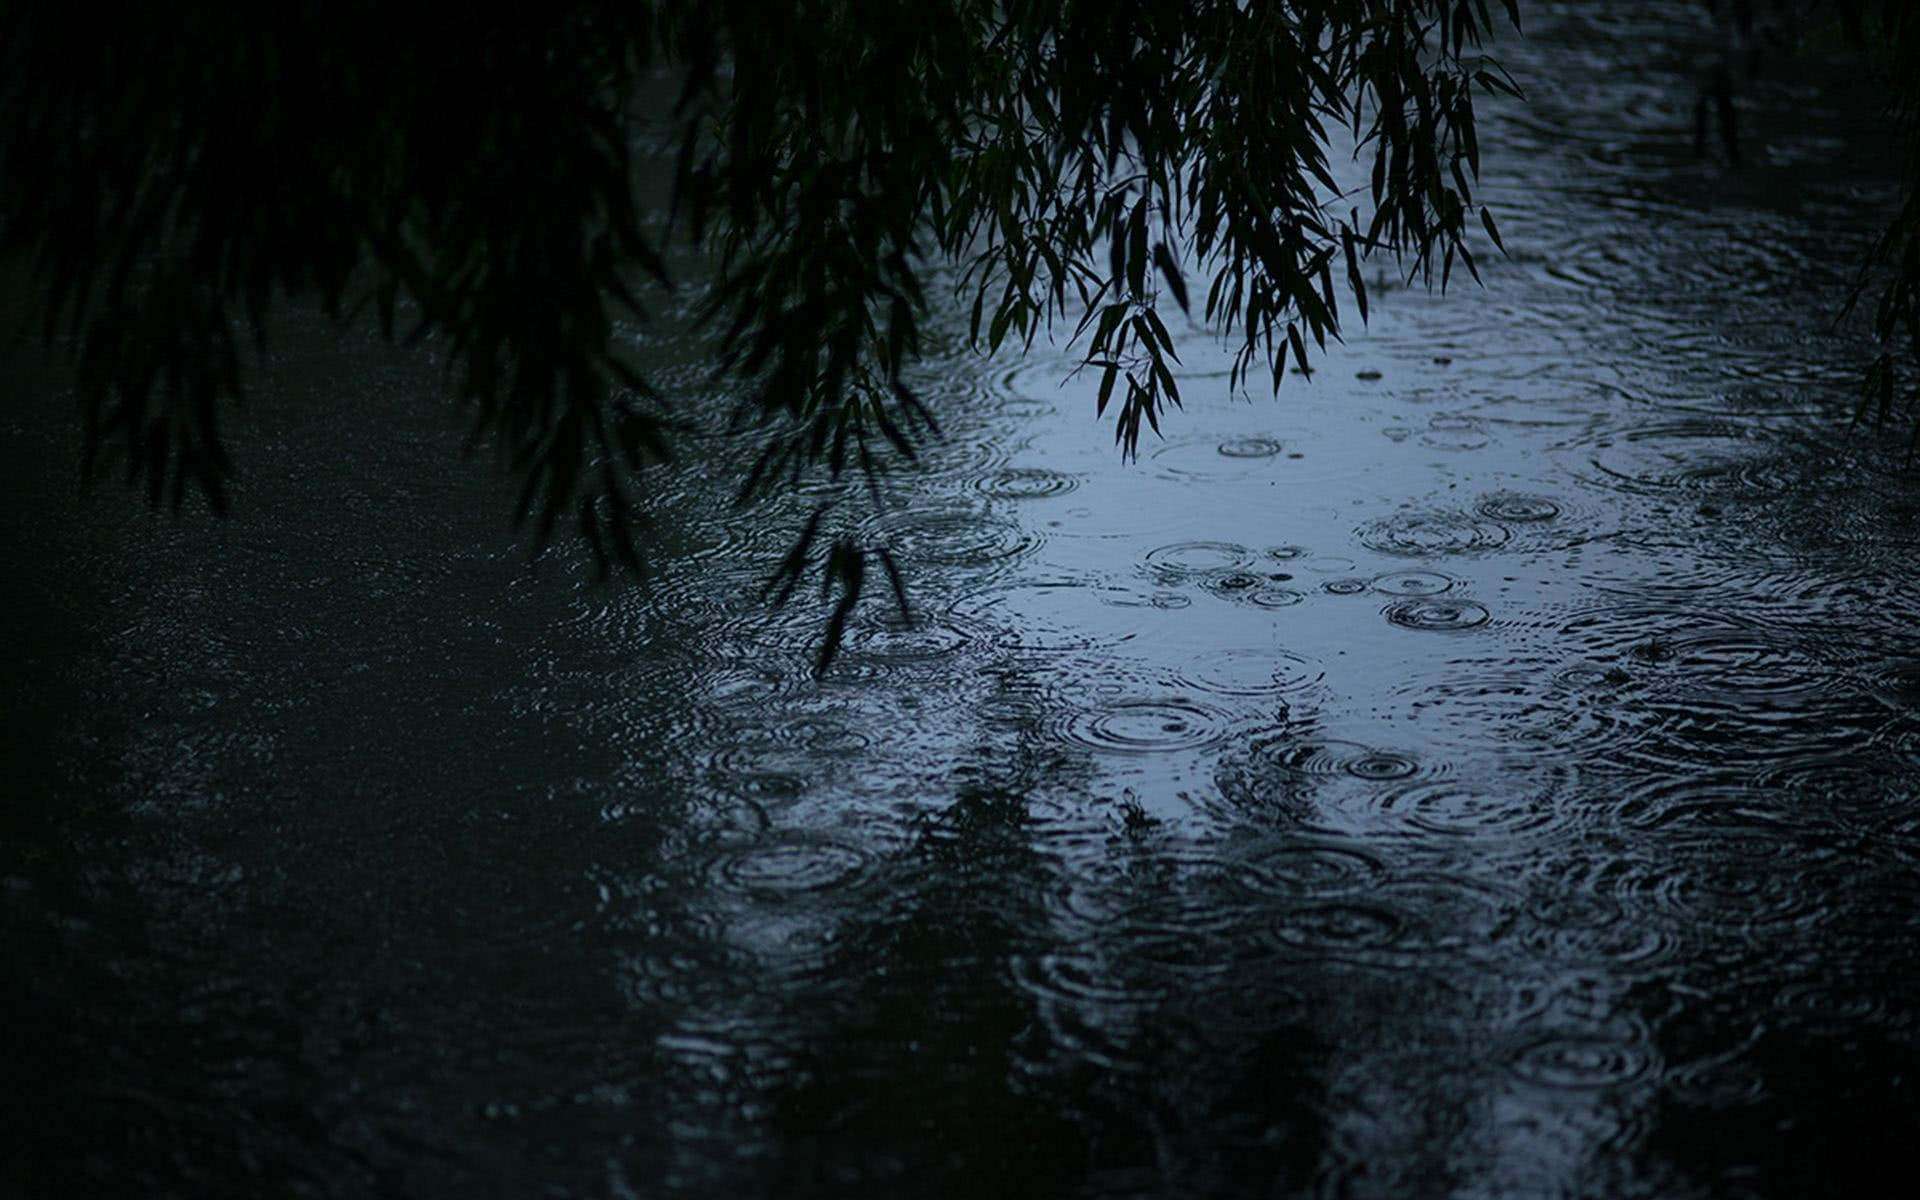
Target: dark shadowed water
[[1486, 770]]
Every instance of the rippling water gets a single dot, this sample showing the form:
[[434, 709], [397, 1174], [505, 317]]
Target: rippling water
[[1488, 769]]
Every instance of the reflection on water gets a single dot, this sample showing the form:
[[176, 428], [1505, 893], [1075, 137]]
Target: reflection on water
[[1486, 770]]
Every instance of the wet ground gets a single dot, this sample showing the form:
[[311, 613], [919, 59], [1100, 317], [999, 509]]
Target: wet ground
[[1487, 769]]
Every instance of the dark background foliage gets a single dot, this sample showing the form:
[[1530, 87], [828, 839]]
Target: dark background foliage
[[173, 177]]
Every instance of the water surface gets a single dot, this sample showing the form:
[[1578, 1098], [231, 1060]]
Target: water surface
[[1486, 769]]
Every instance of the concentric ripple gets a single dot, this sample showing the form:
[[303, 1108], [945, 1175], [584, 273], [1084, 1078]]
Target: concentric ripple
[[1192, 560], [1437, 613], [1249, 447], [1681, 457], [789, 866], [1287, 773], [1026, 483], [1578, 1061], [1060, 615], [950, 537], [1412, 583], [1216, 460], [1148, 726], [1250, 672], [1518, 508], [1431, 532]]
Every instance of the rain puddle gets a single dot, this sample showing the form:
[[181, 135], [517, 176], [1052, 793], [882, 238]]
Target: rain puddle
[[1488, 769]]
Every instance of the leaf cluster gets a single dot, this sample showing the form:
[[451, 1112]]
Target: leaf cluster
[[173, 176]]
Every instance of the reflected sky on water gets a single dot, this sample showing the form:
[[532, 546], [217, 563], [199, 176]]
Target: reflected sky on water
[[1486, 769]]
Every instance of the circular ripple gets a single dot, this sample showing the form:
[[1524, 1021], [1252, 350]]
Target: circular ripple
[[1437, 614], [892, 640], [1518, 507], [1250, 672], [1689, 456], [950, 537], [1234, 585], [1425, 533], [1275, 597], [790, 867], [1148, 726], [1575, 1061], [1412, 583], [1345, 925], [1026, 483], [1455, 433], [1461, 808], [1287, 774], [1066, 615], [1234, 458], [1188, 560], [1297, 870], [1345, 587], [1381, 766], [1249, 447]]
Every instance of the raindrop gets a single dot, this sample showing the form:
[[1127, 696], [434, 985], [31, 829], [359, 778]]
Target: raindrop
[[1274, 597], [790, 867], [954, 537], [1147, 726], [1412, 583], [1250, 672], [1026, 483], [1249, 447], [1518, 507], [1188, 560], [1420, 534], [1382, 766], [1437, 614]]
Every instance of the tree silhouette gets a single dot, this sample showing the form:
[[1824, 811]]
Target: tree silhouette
[[172, 177]]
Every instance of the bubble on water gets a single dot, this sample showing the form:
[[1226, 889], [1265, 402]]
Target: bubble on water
[[1147, 726], [1234, 585], [1026, 483], [1412, 583], [1424, 533], [1250, 672], [1447, 432], [1249, 447], [1518, 508], [1437, 614], [1345, 587], [1582, 1061], [1191, 560], [1285, 553]]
